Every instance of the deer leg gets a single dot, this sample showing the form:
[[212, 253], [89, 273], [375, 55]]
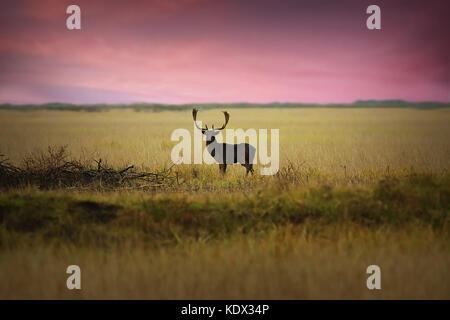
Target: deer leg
[[245, 165], [248, 165], [249, 168], [223, 168]]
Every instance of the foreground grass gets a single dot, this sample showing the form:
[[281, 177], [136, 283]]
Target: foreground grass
[[294, 243], [33, 217], [285, 263]]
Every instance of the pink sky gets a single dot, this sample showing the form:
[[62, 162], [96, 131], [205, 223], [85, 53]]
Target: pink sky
[[200, 51]]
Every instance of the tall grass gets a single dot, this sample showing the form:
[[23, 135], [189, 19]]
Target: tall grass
[[324, 139], [355, 187], [284, 264]]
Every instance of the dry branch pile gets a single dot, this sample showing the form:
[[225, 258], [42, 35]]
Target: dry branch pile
[[54, 170]]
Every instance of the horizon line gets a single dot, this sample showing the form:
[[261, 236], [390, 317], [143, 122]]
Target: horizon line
[[229, 103]]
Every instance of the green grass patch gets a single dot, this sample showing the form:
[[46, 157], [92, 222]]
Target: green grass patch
[[31, 217]]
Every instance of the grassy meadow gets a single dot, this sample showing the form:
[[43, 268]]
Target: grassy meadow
[[356, 187]]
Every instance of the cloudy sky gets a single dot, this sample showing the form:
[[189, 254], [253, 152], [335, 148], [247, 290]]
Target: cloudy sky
[[223, 51]]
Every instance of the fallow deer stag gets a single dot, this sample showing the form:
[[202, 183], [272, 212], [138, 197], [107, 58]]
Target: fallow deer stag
[[225, 153]]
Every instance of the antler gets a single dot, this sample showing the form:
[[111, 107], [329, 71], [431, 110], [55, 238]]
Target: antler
[[194, 115], [227, 117]]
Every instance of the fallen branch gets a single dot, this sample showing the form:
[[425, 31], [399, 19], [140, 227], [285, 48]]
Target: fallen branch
[[54, 171]]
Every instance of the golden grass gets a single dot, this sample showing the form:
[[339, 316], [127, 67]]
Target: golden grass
[[327, 139], [351, 149], [285, 264]]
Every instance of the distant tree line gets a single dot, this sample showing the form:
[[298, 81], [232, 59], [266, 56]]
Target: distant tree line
[[158, 107]]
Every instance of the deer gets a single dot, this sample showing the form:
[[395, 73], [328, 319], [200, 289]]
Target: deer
[[243, 153]]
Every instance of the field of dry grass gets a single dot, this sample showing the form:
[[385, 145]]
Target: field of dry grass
[[284, 264], [355, 187], [327, 139]]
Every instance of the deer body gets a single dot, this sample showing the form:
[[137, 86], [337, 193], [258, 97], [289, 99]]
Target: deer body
[[225, 153]]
